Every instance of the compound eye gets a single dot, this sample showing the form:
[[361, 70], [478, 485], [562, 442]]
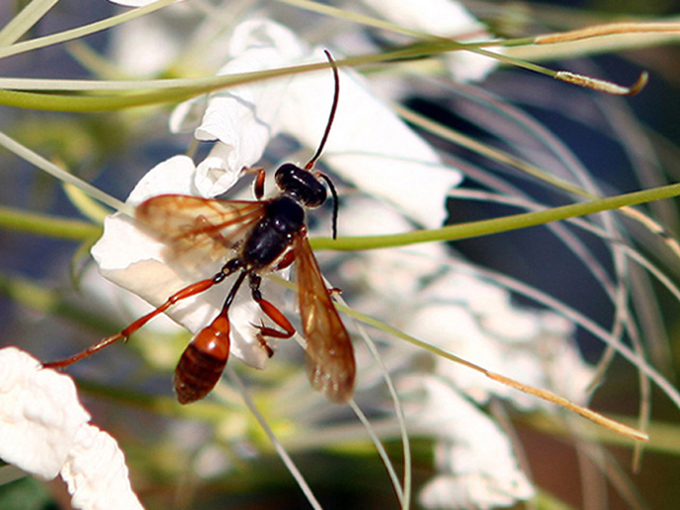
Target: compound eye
[[301, 185]]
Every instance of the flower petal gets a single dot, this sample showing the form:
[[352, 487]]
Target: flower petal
[[39, 414], [174, 175], [478, 466], [96, 474], [243, 118], [220, 170], [443, 18], [369, 145]]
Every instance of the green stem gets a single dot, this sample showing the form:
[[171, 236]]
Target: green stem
[[46, 225], [115, 99], [497, 225]]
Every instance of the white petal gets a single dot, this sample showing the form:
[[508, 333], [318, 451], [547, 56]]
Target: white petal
[[444, 491], [96, 474], [123, 243], [525, 344], [39, 414], [233, 118], [243, 118], [178, 174], [444, 18], [124, 246], [219, 171], [368, 145], [476, 457], [455, 492], [174, 175]]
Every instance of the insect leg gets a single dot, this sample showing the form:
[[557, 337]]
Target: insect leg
[[258, 183], [273, 313], [186, 292], [285, 261]]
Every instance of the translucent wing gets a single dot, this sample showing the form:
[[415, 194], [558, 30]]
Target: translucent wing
[[188, 223], [330, 356]]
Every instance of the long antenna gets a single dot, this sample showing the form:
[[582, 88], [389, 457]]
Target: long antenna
[[331, 117], [335, 203]]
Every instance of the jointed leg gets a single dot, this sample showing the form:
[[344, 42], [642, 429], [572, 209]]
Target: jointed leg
[[258, 183], [186, 292], [270, 311]]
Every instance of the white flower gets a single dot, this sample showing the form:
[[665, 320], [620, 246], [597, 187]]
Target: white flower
[[476, 321], [475, 457], [369, 145], [44, 430], [443, 18]]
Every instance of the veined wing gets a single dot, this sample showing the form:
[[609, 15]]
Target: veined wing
[[187, 223], [330, 355]]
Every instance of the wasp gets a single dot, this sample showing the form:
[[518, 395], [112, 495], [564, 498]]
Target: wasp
[[255, 238]]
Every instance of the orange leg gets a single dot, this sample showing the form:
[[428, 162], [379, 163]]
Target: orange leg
[[186, 292], [258, 183], [285, 261], [273, 313]]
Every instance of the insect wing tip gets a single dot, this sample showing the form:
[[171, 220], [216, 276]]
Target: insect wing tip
[[338, 387]]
